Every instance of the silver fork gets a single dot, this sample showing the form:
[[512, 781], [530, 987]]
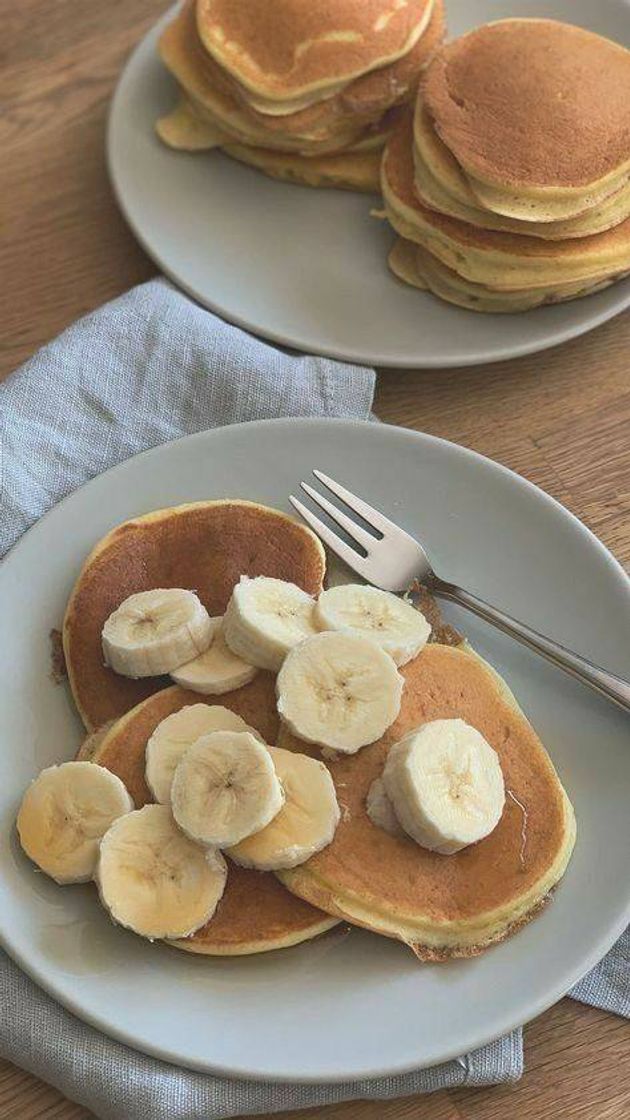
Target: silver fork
[[392, 560]]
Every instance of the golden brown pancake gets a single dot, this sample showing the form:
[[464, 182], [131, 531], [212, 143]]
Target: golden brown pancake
[[256, 913], [457, 905], [205, 546], [419, 268], [312, 130], [367, 96], [356, 169], [326, 126], [502, 261], [396, 83], [350, 171], [441, 184], [282, 50], [535, 106], [92, 742]]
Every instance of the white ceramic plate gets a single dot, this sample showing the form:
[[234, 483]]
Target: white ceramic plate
[[348, 1005], [307, 267]]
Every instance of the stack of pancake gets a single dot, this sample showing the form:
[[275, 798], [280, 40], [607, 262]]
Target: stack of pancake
[[510, 183], [305, 92], [442, 906]]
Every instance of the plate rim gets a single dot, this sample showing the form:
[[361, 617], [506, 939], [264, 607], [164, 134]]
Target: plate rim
[[619, 299], [509, 1023]]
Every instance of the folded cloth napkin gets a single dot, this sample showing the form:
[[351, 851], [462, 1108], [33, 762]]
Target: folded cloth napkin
[[144, 369]]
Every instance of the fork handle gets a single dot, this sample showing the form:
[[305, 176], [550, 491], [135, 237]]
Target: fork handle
[[608, 684]]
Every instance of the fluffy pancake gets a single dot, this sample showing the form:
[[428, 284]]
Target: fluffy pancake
[[312, 130], [445, 906], [205, 546], [351, 171], [327, 126], [288, 51], [562, 136], [419, 268], [356, 169], [367, 96], [256, 913], [441, 185], [502, 261]]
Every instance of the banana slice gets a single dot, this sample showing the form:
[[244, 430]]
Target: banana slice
[[446, 785], [305, 824], [216, 671], [156, 631], [265, 618], [399, 628], [175, 734], [225, 787], [380, 809], [64, 813], [339, 690], [154, 880]]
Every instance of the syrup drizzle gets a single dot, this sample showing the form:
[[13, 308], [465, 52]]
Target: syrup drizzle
[[521, 854]]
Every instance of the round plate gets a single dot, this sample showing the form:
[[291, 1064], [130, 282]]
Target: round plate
[[309, 1013], [307, 268]]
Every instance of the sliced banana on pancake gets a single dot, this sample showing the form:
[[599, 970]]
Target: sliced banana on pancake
[[305, 824], [446, 785], [380, 809], [339, 690], [154, 880], [153, 632], [225, 787], [265, 618], [399, 628], [64, 813], [217, 670], [174, 735]]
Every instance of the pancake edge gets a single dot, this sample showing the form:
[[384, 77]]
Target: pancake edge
[[205, 949], [146, 519], [428, 941], [249, 948], [324, 87]]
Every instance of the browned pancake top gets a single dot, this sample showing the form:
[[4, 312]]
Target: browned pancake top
[[286, 46], [399, 169], [206, 548], [398, 875], [533, 103], [367, 97], [255, 905]]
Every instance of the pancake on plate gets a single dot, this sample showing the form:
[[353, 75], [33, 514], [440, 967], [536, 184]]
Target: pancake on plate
[[284, 51], [256, 913], [420, 269], [275, 100], [441, 184], [502, 261], [536, 113], [455, 905], [356, 169], [204, 546], [514, 177]]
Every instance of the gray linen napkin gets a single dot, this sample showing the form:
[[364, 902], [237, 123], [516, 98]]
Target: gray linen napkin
[[144, 369]]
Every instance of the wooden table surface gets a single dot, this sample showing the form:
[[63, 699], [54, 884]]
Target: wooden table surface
[[561, 419]]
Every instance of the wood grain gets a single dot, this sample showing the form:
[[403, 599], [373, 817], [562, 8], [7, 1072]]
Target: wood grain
[[562, 419]]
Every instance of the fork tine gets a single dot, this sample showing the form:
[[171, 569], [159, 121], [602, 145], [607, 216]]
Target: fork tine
[[372, 516], [353, 530], [352, 558]]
